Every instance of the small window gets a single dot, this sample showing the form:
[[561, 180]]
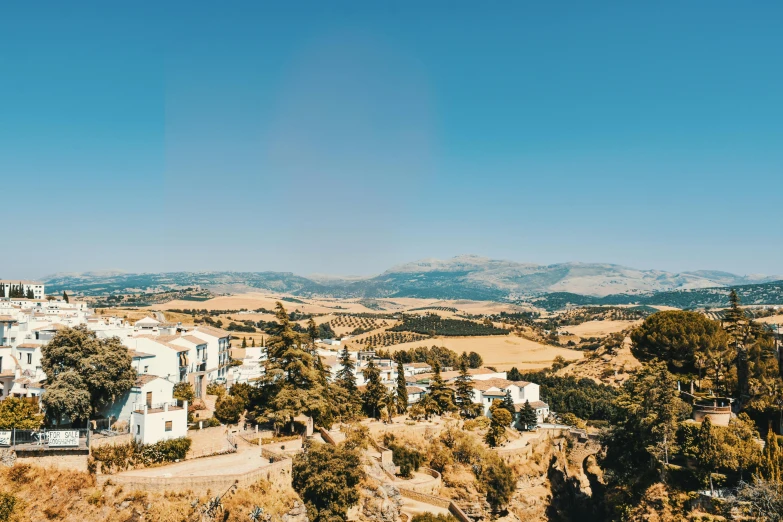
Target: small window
[[138, 429], [146, 369], [168, 426], [29, 358]]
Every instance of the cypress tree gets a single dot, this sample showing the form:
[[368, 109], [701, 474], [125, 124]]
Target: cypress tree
[[346, 376], [244, 342], [402, 389], [440, 393], [771, 460], [508, 404], [30, 294], [464, 390], [65, 297], [375, 391]]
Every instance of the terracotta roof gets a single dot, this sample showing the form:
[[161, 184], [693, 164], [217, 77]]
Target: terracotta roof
[[214, 332], [7, 319], [55, 326], [193, 339], [28, 345], [447, 376], [413, 389], [419, 365], [141, 380], [535, 404], [492, 383], [139, 355]]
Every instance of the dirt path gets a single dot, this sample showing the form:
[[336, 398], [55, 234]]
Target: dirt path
[[247, 458]]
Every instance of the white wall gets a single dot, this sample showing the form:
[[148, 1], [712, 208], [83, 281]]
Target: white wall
[[149, 428]]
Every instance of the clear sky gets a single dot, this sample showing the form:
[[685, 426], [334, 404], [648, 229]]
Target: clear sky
[[346, 137]]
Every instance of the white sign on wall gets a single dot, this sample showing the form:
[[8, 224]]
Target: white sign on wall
[[63, 438], [5, 438]]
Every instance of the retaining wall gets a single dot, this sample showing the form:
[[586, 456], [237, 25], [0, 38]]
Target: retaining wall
[[278, 472]]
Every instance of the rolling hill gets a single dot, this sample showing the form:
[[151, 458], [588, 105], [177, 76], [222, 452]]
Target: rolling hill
[[462, 277]]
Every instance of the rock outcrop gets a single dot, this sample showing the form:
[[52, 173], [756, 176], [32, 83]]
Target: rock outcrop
[[381, 504]]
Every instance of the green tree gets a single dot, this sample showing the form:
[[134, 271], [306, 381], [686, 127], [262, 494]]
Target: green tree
[[675, 337], [709, 452], [228, 409], [508, 403], [463, 393], [500, 419], [244, 342], [439, 392], [528, 417], [67, 396], [20, 414], [327, 479], [407, 458], [30, 294], [183, 391], [292, 384], [374, 392], [645, 424], [65, 297], [772, 460], [497, 480], [103, 368], [475, 360], [346, 375], [402, 389]]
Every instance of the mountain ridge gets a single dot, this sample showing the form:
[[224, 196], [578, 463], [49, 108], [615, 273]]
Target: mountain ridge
[[460, 277]]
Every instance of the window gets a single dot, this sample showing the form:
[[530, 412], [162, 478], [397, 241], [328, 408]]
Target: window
[[168, 426], [149, 399], [29, 358], [138, 429], [146, 369]]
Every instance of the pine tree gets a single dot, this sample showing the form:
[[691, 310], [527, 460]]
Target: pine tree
[[292, 384], [529, 418], [346, 376], [65, 297], [464, 390], [508, 403], [244, 342], [253, 342], [375, 391], [402, 389], [440, 393]]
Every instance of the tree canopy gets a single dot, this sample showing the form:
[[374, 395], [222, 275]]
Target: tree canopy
[[77, 363], [327, 478]]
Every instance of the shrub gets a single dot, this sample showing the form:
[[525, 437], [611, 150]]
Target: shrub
[[216, 389], [109, 459], [480, 423], [228, 409], [429, 517], [8, 504], [407, 458]]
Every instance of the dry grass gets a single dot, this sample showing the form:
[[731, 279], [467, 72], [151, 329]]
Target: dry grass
[[501, 351], [599, 328], [54, 494]]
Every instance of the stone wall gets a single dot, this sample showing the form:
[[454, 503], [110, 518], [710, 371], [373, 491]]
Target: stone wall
[[61, 460], [277, 472]]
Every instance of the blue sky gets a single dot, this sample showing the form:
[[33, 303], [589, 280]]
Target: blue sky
[[346, 137]]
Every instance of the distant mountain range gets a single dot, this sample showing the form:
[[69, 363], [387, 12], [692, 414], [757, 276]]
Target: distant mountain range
[[462, 277]]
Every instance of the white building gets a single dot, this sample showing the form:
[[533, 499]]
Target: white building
[[36, 286], [151, 423]]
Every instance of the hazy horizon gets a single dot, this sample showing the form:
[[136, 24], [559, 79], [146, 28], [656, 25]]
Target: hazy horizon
[[351, 137]]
